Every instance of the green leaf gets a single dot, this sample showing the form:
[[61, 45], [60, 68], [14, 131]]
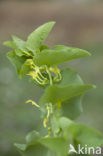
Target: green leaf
[[85, 135], [43, 47], [19, 52], [32, 150], [36, 38], [36, 150], [58, 145], [25, 69], [19, 47], [10, 44], [71, 108], [77, 133], [36, 145], [19, 43], [16, 60], [21, 147], [59, 123], [60, 47], [64, 122], [57, 56], [32, 146], [57, 93], [32, 138], [70, 76]]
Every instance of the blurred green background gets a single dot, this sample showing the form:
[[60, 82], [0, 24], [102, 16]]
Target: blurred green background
[[79, 23]]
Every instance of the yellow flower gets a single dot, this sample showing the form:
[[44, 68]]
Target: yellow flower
[[33, 103]]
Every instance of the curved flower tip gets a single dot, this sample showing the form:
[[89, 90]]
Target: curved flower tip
[[33, 103]]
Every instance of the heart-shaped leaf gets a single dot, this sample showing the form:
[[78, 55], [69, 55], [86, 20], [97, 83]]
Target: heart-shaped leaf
[[71, 108], [57, 93], [79, 134], [51, 57], [58, 145], [32, 150], [36, 145], [70, 76], [32, 146], [69, 91], [85, 135]]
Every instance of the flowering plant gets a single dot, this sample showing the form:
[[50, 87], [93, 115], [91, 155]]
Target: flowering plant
[[61, 101]]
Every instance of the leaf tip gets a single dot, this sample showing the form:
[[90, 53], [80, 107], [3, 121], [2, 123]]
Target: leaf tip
[[21, 147], [52, 22], [87, 53], [92, 86]]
